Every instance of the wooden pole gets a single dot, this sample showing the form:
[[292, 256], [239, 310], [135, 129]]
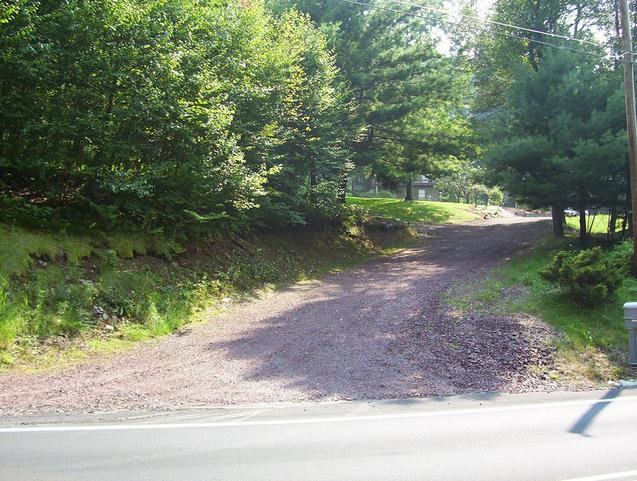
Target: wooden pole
[[631, 118]]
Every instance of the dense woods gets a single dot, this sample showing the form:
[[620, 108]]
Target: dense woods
[[196, 117], [556, 136], [165, 115], [188, 116]]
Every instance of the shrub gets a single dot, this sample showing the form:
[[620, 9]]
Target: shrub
[[586, 277]]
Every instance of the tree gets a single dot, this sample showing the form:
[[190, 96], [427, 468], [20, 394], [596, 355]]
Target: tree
[[495, 196], [402, 90], [566, 144], [166, 115], [460, 184]]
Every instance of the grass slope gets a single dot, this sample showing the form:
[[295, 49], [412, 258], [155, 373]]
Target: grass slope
[[417, 210], [62, 296], [593, 341]]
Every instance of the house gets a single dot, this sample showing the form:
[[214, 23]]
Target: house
[[423, 188]]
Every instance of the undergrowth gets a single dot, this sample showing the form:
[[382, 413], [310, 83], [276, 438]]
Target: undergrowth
[[584, 332], [62, 293]]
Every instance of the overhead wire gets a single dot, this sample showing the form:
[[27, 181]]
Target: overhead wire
[[495, 22], [505, 34]]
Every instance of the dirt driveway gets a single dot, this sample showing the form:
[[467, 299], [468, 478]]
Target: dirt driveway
[[376, 331]]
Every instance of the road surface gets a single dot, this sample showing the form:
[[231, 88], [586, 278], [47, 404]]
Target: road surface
[[525, 437]]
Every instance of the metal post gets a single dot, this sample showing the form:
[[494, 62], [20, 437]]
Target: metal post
[[630, 317]]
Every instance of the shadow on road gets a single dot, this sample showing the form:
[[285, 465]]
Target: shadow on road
[[584, 422]]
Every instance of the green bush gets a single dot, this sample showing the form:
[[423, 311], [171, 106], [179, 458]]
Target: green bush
[[168, 117], [587, 277]]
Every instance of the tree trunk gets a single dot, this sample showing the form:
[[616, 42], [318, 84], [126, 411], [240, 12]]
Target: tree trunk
[[612, 224], [409, 189], [624, 225], [583, 231], [557, 215], [342, 190]]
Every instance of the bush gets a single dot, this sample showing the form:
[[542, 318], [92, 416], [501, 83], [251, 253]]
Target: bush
[[586, 277], [182, 117]]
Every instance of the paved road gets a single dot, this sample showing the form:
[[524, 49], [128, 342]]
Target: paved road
[[589, 436]]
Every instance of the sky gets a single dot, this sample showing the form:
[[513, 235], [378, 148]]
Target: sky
[[482, 8]]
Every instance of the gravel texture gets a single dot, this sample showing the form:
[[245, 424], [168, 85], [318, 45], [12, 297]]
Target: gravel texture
[[377, 331]]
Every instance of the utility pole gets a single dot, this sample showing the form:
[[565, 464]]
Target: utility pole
[[631, 118]]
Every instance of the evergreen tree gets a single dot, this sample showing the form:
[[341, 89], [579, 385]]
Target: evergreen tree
[[567, 144]]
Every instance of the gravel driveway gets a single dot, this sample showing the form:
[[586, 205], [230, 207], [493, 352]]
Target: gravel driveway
[[377, 331]]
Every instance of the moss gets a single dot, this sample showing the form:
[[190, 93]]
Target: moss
[[19, 248]]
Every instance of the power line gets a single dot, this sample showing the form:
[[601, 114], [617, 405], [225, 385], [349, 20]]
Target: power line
[[505, 34], [516, 27], [495, 22]]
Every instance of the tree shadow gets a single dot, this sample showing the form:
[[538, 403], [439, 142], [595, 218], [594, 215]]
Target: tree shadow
[[381, 330], [585, 421]]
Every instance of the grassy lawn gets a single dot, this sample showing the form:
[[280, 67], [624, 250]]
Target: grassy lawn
[[416, 210], [600, 223], [593, 340]]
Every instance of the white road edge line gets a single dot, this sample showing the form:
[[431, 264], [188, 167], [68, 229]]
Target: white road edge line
[[309, 420], [605, 477]]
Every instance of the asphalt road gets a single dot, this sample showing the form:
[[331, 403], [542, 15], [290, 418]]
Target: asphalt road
[[559, 436]]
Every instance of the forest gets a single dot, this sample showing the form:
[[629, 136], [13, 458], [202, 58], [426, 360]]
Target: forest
[[191, 118]]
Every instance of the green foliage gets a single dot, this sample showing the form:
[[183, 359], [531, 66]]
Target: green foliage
[[460, 184], [406, 102], [585, 276], [178, 116], [565, 145], [495, 195], [94, 290]]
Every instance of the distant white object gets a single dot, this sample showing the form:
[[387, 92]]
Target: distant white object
[[571, 212]]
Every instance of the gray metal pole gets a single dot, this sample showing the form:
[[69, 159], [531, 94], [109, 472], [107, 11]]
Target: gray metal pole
[[631, 118], [630, 318]]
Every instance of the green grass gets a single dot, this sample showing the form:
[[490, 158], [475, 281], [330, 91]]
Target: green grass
[[20, 248], [416, 210], [600, 223], [62, 297], [585, 332]]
